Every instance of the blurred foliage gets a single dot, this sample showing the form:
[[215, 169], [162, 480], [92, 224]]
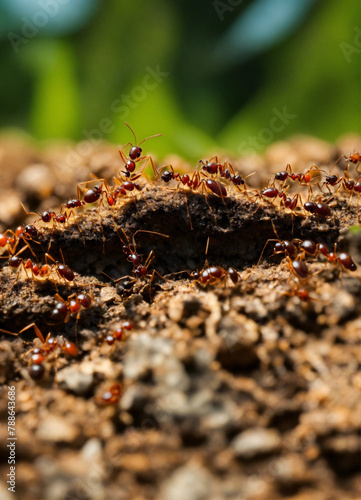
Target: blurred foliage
[[224, 67]]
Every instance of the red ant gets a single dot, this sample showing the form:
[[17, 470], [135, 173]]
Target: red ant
[[36, 270], [36, 368], [111, 396], [140, 268], [320, 209], [93, 194], [26, 234], [286, 201], [311, 248], [355, 158], [301, 293], [9, 243], [135, 155], [50, 216], [62, 270], [40, 271], [215, 274], [225, 171], [123, 188], [210, 275], [304, 179], [71, 204], [299, 268], [72, 306], [194, 182], [342, 259], [119, 334]]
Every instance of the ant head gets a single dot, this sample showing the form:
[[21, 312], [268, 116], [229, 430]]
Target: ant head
[[135, 152]]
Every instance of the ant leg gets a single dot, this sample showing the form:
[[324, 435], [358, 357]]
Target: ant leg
[[148, 159], [189, 216], [25, 210], [245, 186], [146, 231], [204, 191], [264, 248], [9, 333], [75, 217], [37, 331]]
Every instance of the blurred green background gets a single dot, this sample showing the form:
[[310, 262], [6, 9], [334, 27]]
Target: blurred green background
[[217, 75]]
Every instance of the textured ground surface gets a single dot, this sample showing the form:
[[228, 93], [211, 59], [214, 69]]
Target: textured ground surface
[[239, 392]]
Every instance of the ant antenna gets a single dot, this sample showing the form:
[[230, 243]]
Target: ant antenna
[[132, 131], [135, 138], [150, 137]]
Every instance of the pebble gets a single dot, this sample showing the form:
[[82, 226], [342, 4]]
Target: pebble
[[256, 442], [190, 482], [56, 430], [74, 378], [36, 181]]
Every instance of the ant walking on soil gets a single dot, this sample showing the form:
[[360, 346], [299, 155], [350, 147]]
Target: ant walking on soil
[[39, 355], [304, 179], [211, 275], [56, 219], [140, 268], [118, 334], [225, 171], [73, 306]]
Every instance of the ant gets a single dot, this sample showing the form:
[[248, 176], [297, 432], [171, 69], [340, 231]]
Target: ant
[[119, 334], [62, 270], [140, 268], [17, 262], [299, 268], [111, 396], [195, 182], [123, 188], [355, 158], [40, 271], [225, 171], [94, 194], [36, 367], [215, 274], [50, 216], [320, 209], [26, 234], [64, 309], [9, 243], [71, 204], [210, 275], [135, 155], [301, 293], [342, 259], [304, 179], [286, 201]]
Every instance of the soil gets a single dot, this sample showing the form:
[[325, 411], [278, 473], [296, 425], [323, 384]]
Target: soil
[[228, 391]]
